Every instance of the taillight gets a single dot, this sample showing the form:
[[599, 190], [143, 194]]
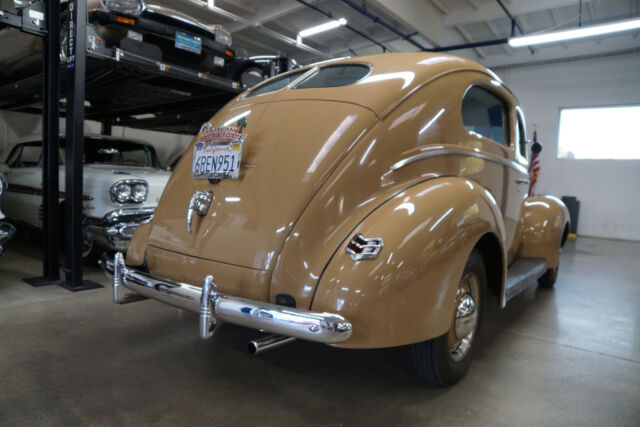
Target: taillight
[[125, 20]]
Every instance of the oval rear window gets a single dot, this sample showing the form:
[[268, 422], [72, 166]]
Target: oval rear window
[[276, 83], [334, 76]]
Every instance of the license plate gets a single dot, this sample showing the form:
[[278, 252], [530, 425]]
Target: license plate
[[217, 152], [216, 160], [188, 43]]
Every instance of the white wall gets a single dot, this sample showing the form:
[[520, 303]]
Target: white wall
[[16, 127], [609, 190]]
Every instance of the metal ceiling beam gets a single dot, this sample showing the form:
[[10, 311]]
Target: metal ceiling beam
[[421, 16], [264, 30], [470, 45], [495, 33], [514, 22], [491, 10], [266, 14], [467, 39], [345, 49]]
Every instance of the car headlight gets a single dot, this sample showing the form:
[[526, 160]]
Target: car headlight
[[128, 7], [129, 191], [139, 193]]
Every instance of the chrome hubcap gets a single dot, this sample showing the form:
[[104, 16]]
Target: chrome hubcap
[[465, 319]]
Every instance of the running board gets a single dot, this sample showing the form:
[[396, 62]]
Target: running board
[[522, 273]]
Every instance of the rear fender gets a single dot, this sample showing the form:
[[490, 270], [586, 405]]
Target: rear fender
[[407, 293], [544, 221], [138, 245]]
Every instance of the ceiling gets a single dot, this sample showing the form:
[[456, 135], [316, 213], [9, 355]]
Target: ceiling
[[270, 27]]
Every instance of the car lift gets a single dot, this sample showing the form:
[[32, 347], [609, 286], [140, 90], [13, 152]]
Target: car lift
[[107, 84]]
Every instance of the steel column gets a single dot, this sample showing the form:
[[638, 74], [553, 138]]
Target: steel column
[[76, 65], [50, 131]]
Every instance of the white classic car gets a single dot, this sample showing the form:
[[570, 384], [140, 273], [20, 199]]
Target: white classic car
[[121, 188], [6, 230]]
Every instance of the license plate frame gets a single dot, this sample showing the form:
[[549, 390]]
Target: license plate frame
[[188, 42], [217, 159]]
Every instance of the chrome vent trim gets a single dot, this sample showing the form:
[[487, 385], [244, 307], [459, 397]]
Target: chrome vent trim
[[363, 248]]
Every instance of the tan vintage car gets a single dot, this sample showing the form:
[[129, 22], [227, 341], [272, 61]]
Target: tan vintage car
[[371, 202]]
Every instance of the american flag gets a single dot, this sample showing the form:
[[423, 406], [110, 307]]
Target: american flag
[[534, 166]]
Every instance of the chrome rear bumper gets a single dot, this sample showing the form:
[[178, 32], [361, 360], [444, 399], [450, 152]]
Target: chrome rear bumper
[[215, 307]]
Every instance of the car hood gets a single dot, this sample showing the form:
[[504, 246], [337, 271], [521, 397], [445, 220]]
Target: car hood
[[289, 151], [116, 173]]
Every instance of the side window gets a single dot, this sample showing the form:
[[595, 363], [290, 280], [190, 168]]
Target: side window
[[484, 113], [30, 156], [521, 138]]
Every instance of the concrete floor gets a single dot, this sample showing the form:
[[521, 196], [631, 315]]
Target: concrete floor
[[569, 356]]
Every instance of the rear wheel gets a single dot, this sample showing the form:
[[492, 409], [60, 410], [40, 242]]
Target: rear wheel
[[445, 360], [548, 279]]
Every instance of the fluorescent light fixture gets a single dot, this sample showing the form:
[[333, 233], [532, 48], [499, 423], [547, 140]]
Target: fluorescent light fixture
[[578, 33], [211, 4], [322, 27]]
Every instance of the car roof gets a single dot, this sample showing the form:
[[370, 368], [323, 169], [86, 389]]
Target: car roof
[[393, 76]]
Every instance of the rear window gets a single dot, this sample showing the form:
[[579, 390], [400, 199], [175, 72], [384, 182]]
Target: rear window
[[335, 75], [276, 84]]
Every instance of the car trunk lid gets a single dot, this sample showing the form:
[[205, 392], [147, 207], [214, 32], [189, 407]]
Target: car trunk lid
[[284, 162]]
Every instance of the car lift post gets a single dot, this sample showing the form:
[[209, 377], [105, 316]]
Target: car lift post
[[76, 66], [50, 131]]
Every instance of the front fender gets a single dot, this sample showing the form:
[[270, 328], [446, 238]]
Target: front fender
[[407, 293]]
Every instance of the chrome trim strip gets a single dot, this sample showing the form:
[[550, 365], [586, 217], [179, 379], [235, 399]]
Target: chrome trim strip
[[125, 215], [450, 151], [213, 307]]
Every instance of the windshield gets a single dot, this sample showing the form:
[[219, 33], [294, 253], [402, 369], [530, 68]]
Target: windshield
[[97, 150], [119, 152]]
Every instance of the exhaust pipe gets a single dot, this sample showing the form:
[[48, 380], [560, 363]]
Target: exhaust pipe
[[269, 342]]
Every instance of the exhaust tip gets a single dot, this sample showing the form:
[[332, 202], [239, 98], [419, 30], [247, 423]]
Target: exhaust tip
[[268, 343], [253, 347]]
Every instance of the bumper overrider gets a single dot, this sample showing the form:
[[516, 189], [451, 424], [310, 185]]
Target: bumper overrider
[[214, 307]]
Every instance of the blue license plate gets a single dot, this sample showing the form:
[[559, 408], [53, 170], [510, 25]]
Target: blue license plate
[[188, 43]]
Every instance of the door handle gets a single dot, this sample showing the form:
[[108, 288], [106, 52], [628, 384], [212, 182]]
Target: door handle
[[522, 181]]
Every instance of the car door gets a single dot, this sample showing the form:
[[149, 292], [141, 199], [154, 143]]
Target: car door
[[520, 177], [488, 111], [23, 200]]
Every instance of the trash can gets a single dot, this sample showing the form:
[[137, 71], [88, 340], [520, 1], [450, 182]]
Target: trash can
[[573, 204]]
